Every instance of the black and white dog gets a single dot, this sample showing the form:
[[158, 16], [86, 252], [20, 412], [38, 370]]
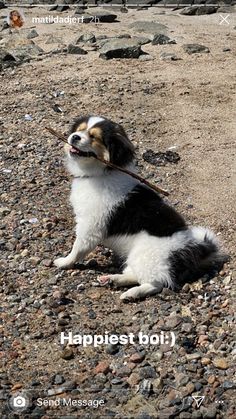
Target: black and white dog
[[111, 208]]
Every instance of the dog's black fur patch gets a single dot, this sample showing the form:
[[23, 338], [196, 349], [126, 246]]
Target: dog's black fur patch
[[195, 260], [144, 210]]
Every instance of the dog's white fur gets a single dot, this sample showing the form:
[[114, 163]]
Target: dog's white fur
[[146, 256]]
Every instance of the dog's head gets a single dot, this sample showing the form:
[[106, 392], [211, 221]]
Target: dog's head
[[94, 136]]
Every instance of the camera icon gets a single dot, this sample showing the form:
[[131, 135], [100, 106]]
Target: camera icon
[[19, 401]]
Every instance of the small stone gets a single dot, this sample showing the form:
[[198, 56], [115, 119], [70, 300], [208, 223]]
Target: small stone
[[116, 381], [145, 388], [47, 262], [67, 386], [75, 49], [228, 385], [227, 280], [205, 361], [58, 379], [102, 367], [88, 37], [226, 49], [195, 48], [191, 357], [124, 371], [220, 363], [32, 34], [173, 321], [208, 412], [112, 349], [137, 357], [196, 414], [133, 379], [146, 57], [24, 253], [202, 339], [161, 39], [184, 415], [67, 353], [4, 211], [34, 260], [181, 379], [157, 356], [211, 379], [168, 56], [225, 303], [198, 386], [157, 384], [189, 389], [148, 372]]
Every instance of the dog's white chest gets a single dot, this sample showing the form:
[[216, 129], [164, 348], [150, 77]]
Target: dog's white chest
[[93, 199]]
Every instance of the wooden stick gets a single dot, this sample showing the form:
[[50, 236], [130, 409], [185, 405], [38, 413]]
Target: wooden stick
[[112, 165]]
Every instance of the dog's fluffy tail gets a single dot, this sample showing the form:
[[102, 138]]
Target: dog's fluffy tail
[[201, 255]]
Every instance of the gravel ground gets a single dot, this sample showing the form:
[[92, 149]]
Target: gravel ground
[[187, 105]]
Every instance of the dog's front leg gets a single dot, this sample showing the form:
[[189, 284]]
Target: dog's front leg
[[84, 243]]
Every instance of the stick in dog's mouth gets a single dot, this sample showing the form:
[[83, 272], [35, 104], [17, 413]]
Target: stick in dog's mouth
[[112, 165]]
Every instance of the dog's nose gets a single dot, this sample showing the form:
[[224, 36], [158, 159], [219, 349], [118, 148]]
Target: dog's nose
[[75, 138]]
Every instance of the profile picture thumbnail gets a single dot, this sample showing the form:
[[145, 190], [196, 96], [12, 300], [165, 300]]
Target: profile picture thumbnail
[[15, 19]]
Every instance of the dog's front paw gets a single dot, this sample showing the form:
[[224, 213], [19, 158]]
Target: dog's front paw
[[63, 263]]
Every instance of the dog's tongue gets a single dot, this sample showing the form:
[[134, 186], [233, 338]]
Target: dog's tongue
[[73, 150]]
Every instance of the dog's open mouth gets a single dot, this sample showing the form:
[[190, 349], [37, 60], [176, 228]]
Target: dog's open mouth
[[81, 153]]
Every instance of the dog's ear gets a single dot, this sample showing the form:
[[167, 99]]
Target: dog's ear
[[78, 122], [120, 148]]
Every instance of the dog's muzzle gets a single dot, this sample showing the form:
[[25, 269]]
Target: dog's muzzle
[[74, 141]]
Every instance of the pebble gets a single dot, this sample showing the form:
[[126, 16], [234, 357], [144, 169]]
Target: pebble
[[28, 117], [67, 353], [205, 361], [133, 379], [220, 363], [168, 56], [32, 34], [145, 388], [191, 357], [173, 321], [227, 280], [102, 367], [58, 379], [181, 379], [67, 386], [148, 372], [208, 412], [156, 356], [137, 357], [211, 379], [24, 253], [112, 349], [189, 389], [145, 57], [228, 385]]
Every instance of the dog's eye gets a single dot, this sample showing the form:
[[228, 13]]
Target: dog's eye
[[92, 136]]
